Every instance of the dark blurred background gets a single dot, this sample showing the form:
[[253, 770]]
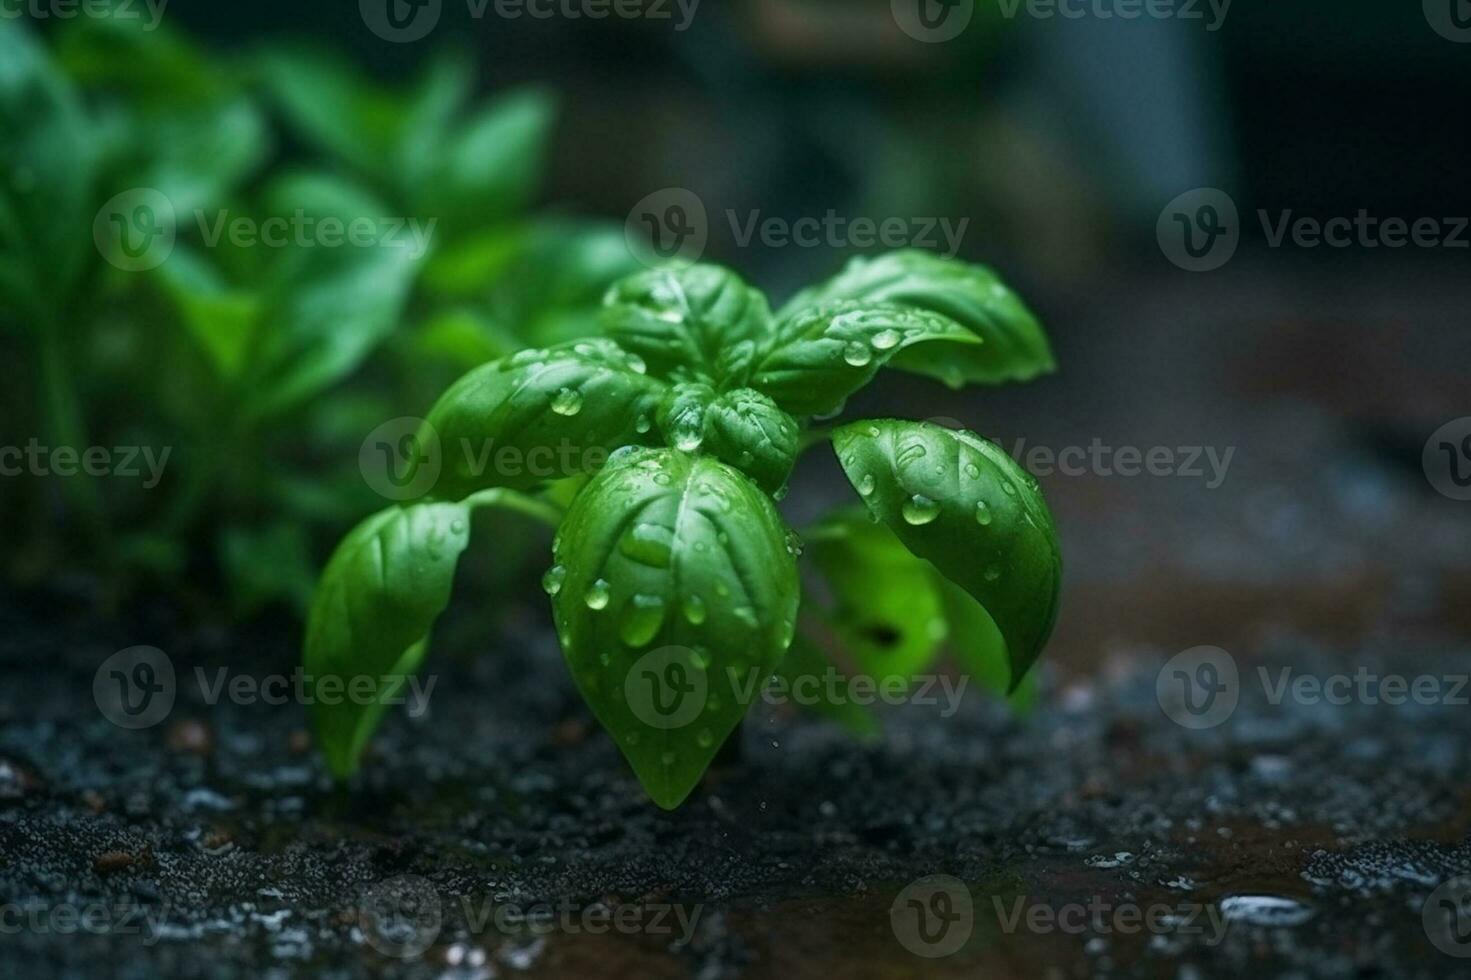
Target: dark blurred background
[[1062, 143]]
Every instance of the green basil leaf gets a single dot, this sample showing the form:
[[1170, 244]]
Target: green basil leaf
[[47, 171], [221, 320], [887, 613], [806, 669], [747, 430], [333, 107], [489, 165], [542, 415], [379, 596], [823, 354], [121, 53], [687, 320], [972, 635], [1014, 349], [964, 505], [675, 593], [327, 309]]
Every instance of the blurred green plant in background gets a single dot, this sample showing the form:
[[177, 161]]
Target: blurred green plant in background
[[258, 366]]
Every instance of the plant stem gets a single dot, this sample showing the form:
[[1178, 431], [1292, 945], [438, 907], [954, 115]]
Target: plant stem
[[63, 414], [520, 503]]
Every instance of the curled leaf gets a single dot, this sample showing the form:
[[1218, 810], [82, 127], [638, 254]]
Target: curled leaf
[[977, 516]]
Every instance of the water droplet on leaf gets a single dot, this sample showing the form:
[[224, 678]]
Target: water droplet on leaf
[[857, 354], [567, 402], [596, 596], [886, 339], [920, 509], [642, 618]]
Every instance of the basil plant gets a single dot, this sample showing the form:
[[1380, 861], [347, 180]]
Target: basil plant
[[659, 450]]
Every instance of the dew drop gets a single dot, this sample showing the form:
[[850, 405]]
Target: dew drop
[[688, 440], [972, 470], [1010, 490], [567, 402], [794, 544], [992, 573], [857, 354], [920, 509], [910, 454], [746, 615], [867, 485], [648, 544], [705, 738], [551, 582], [694, 609], [983, 513], [886, 339], [596, 595], [457, 526], [643, 424], [642, 618], [636, 364]]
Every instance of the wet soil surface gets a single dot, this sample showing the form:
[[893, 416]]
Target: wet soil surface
[[501, 835]]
